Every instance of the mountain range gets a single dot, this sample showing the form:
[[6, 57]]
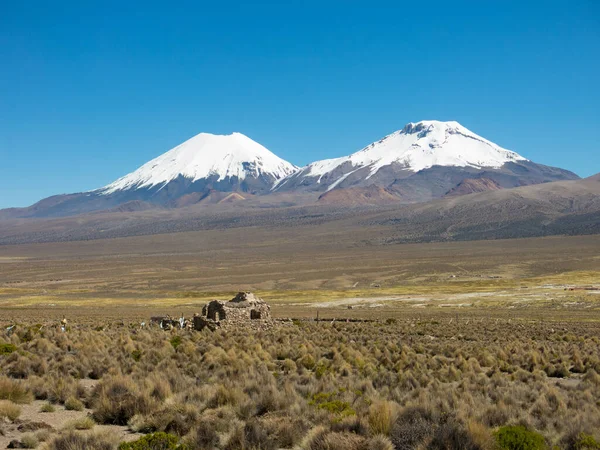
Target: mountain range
[[421, 162]]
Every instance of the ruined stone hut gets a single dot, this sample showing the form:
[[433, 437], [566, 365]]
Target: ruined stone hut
[[244, 307]]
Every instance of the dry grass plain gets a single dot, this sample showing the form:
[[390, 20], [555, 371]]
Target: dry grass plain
[[332, 269], [470, 343]]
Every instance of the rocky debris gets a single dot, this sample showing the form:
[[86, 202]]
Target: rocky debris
[[27, 426], [200, 323]]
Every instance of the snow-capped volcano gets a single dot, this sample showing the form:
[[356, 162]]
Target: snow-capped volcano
[[207, 156], [416, 147], [423, 161]]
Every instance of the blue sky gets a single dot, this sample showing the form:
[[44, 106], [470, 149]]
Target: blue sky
[[91, 90]]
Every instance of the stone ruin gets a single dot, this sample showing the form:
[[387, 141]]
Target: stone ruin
[[244, 308]]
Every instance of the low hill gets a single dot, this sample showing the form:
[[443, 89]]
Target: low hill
[[357, 196]]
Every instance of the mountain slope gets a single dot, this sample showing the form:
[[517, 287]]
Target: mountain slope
[[473, 185], [421, 162], [594, 177], [232, 158], [564, 207], [358, 196], [182, 176]]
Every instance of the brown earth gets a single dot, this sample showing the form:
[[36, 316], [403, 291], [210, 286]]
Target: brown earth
[[472, 186], [371, 195]]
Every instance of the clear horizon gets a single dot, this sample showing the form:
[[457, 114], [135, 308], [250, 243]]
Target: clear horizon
[[90, 93]]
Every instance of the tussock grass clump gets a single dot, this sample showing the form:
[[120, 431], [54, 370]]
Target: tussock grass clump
[[85, 423], [74, 404], [74, 440], [29, 440], [382, 416], [320, 438], [9, 410], [14, 391], [117, 399], [7, 349], [47, 408], [156, 441]]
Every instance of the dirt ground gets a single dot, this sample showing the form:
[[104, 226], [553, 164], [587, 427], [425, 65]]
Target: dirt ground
[[183, 270], [32, 418]]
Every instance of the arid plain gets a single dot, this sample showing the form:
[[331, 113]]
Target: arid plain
[[297, 271], [462, 345]]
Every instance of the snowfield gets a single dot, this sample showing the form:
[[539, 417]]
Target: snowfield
[[416, 147], [204, 156], [419, 146]]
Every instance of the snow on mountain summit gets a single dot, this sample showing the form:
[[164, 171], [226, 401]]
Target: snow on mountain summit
[[203, 156], [420, 146]]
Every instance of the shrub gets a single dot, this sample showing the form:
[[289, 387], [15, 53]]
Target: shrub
[[79, 441], [43, 435], [586, 442], [481, 436], [338, 407], [452, 435], [382, 416], [271, 432], [176, 341], [118, 399], [155, 441], [203, 436], [47, 408], [14, 391], [379, 442], [8, 410], [320, 438], [6, 349], [518, 437], [413, 426], [85, 423], [73, 404], [29, 441], [308, 362], [325, 401], [59, 389], [289, 365]]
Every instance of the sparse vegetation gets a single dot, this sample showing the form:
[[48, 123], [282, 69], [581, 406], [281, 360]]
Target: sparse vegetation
[[73, 440], [29, 440], [6, 349], [9, 410], [85, 423], [14, 390], [155, 441], [47, 408], [434, 382], [74, 404]]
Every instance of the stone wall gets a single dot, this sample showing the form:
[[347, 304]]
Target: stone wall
[[244, 307]]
